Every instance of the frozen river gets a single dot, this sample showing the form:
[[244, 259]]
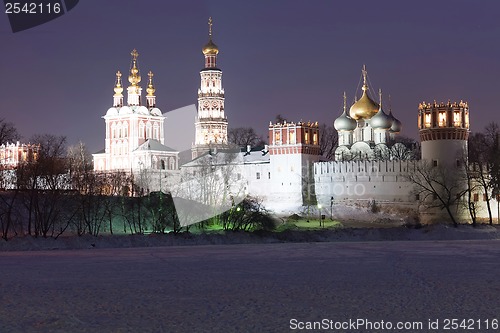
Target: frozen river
[[251, 288]]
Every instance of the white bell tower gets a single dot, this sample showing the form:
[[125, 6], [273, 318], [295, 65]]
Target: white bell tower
[[211, 121]]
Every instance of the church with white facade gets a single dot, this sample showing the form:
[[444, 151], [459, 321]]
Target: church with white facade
[[134, 130]]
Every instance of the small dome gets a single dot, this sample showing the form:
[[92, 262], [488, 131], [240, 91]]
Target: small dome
[[344, 123], [156, 112], [381, 120], [125, 110], [141, 110], [364, 108], [396, 124], [112, 112], [210, 48]]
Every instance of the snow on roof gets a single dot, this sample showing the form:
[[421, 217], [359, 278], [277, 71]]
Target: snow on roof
[[152, 144], [224, 156]]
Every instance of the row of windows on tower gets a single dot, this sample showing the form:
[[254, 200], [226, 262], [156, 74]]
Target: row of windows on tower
[[290, 138], [145, 131], [160, 164], [441, 120]]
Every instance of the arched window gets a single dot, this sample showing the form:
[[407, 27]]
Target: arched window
[[456, 119], [442, 119], [427, 120], [156, 134], [163, 164], [142, 132], [113, 131]]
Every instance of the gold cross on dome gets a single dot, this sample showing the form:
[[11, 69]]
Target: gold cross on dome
[[134, 54], [210, 26]]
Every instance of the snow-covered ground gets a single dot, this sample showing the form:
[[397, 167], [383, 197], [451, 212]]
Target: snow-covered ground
[[354, 231], [249, 287]]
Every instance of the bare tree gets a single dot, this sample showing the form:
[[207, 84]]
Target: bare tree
[[44, 180], [405, 148], [472, 186], [210, 186], [280, 119], [247, 215], [437, 187], [8, 206], [484, 160], [8, 132], [328, 141], [90, 188], [245, 136], [495, 164]]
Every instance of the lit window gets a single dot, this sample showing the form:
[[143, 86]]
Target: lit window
[[442, 119], [456, 119], [291, 137], [427, 120]]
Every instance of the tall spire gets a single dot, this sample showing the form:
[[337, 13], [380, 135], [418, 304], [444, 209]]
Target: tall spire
[[150, 97], [345, 102], [118, 96], [134, 77], [134, 90], [365, 73], [210, 50], [380, 98], [210, 28], [211, 121]]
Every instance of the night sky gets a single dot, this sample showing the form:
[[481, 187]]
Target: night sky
[[288, 57]]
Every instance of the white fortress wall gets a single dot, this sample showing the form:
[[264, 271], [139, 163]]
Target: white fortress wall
[[382, 181]]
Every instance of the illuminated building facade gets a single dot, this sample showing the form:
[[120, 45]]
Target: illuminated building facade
[[366, 131], [444, 130], [12, 154], [135, 132], [211, 121]]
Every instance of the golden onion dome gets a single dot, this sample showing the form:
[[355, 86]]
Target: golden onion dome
[[364, 108], [134, 77], [210, 48], [150, 89], [118, 86]]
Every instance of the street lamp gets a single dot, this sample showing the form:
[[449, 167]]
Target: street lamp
[[319, 208], [331, 208]]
